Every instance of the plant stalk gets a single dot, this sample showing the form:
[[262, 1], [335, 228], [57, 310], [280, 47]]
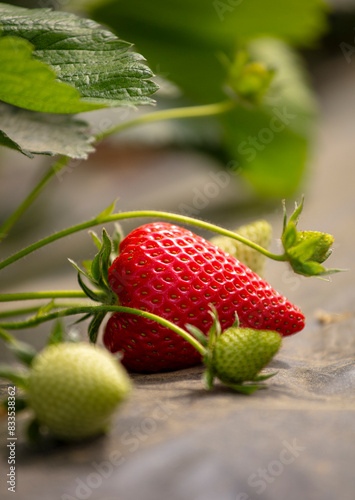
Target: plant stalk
[[138, 214], [166, 114], [10, 222], [36, 320], [170, 114]]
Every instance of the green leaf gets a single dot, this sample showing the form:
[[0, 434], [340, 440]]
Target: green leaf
[[192, 41], [57, 62], [31, 84], [33, 133], [184, 40]]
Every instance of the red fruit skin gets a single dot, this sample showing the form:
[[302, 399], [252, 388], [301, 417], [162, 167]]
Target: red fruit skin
[[169, 271]]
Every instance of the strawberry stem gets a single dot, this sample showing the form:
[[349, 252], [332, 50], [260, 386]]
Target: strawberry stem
[[36, 320], [60, 294], [165, 114], [10, 222], [102, 219], [170, 114]]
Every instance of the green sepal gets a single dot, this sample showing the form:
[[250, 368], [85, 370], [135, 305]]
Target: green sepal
[[80, 271], [57, 334], [94, 326], [83, 318], [260, 378], [245, 388], [87, 266], [197, 333], [289, 236], [90, 293], [105, 258], [96, 239], [97, 273], [295, 215], [215, 330], [14, 375], [236, 320], [117, 237], [95, 269], [107, 212]]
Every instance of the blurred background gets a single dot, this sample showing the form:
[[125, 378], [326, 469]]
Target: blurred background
[[292, 134], [291, 138]]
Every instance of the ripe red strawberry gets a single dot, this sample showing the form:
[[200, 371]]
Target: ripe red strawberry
[[171, 272]]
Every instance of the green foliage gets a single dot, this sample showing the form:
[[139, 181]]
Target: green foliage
[[306, 250], [189, 44], [95, 68], [58, 63], [33, 133], [185, 40]]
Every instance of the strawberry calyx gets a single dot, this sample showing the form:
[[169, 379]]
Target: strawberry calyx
[[96, 273], [306, 250], [247, 386]]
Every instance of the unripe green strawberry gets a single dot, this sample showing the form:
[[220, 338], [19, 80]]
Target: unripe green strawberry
[[324, 241], [258, 232], [74, 389], [239, 354]]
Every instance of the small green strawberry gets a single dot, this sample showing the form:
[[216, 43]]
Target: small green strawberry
[[74, 388], [258, 232], [237, 355], [240, 353], [306, 250]]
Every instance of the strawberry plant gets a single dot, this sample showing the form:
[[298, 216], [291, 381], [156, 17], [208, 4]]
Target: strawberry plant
[[161, 280]]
